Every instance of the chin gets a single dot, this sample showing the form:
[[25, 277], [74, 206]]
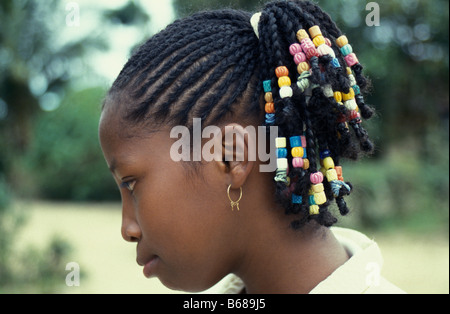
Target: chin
[[191, 286]]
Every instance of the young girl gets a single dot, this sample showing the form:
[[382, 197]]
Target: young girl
[[201, 218]]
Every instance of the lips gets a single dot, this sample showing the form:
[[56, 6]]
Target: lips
[[149, 265]]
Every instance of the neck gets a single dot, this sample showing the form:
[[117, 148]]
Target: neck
[[290, 261]]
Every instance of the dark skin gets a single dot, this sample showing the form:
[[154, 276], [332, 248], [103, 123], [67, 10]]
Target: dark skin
[[181, 218]]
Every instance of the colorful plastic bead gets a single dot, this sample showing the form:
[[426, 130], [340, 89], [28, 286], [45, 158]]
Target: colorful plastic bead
[[297, 152], [316, 177], [303, 139], [319, 40], [315, 31], [295, 48], [296, 199], [326, 50], [281, 152], [299, 58], [280, 142], [346, 50], [305, 163], [281, 71], [269, 107], [351, 104], [351, 59], [335, 63], [342, 41], [331, 175], [268, 97], [311, 200], [286, 91], [338, 96], [320, 198], [267, 86], [297, 162], [284, 81], [325, 153], [314, 210], [295, 141], [328, 163], [327, 90], [311, 52], [282, 163], [349, 95], [327, 42], [303, 67], [301, 34], [270, 118]]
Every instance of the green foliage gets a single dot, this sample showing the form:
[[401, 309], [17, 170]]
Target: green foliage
[[65, 159]]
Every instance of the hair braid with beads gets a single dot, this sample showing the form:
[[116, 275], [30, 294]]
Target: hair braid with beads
[[211, 65]]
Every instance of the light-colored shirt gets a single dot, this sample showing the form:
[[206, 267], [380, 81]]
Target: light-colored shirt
[[361, 274]]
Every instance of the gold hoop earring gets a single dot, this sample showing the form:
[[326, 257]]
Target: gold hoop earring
[[234, 203]]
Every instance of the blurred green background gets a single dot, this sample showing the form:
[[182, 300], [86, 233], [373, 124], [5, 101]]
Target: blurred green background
[[58, 202]]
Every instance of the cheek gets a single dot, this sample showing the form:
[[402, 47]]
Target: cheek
[[187, 223]]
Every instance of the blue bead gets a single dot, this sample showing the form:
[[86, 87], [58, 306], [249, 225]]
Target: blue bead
[[356, 89], [296, 199], [267, 86], [311, 200], [270, 118], [324, 153], [346, 50], [304, 153], [295, 141], [335, 63], [281, 152]]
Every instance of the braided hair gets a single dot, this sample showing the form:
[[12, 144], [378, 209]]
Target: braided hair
[[211, 65]]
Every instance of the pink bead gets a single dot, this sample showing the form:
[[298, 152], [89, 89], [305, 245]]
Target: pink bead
[[351, 59], [299, 58], [303, 139], [306, 44], [316, 177], [311, 52], [295, 48], [327, 42], [297, 162]]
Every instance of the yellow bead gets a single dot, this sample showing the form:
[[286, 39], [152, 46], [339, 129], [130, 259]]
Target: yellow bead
[[268, 97], [314, 209], [337, 96], [315, 31], [320, 198], [302, 34], [284, 81], [328, 163], [305, 163], [302, 67], [342, 41], [349, 70], [350, 95], [297, 152], [317, 188], [331, 175], [319, 40]]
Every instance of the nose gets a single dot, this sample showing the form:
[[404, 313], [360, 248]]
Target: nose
[[131, 231]]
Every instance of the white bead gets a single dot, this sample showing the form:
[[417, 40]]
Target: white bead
[[282, 163], [280, 142], [286, 91], [352, 80], [350, 104], [325, 50], [327, 90]]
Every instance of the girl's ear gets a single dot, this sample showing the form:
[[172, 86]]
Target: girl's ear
[[238, 153]]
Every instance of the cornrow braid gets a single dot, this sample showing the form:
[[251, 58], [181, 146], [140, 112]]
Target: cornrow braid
[[289, 67]]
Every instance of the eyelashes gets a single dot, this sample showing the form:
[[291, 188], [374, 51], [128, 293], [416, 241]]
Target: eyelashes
[[129, 185]]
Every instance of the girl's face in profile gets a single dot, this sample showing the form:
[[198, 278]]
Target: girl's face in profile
[[179, 217]]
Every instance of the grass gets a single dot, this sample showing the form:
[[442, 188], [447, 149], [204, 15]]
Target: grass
[[417, 264]]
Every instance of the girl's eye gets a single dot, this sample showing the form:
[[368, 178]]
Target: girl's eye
[[129, 185]]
